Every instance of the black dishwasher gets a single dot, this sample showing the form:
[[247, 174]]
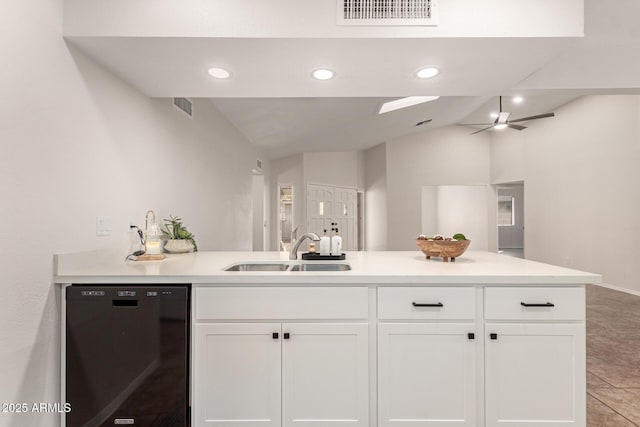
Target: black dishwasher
[[127, 355]]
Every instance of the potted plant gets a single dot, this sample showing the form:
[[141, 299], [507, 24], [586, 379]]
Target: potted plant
[[179, 239]]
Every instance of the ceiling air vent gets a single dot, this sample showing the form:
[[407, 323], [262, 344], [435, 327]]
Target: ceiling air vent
[[387, 12], [184, 105]]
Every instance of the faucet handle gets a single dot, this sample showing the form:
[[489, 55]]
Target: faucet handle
[[294, 234]]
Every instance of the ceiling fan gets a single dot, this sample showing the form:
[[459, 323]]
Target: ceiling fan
[[502, 121]]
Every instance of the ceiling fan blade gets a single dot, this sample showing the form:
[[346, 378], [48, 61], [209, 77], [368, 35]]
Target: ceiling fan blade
[[516, 127], [475, 124], [539, 116], [482, 130]]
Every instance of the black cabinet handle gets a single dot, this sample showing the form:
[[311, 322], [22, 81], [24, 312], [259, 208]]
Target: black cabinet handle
[[286, 335], [471, 336], [439, 304], [493, 336], [275, 335], [547, 304]]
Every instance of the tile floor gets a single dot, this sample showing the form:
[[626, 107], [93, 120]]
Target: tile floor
[[613, 358]]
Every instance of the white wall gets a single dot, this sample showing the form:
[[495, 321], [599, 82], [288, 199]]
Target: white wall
[[76, 142], [339, 169], [507, 156], [446, 156], [581, 186], [313, 18], [375, 166], [258, 217], [452, 209]]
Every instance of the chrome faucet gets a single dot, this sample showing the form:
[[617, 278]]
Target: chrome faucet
[[293, 254], [294, 234]]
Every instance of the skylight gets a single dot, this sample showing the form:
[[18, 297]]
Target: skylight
[[405, 102]]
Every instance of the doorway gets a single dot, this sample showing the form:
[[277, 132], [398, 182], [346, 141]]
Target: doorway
[[510, 219], [285, 217]]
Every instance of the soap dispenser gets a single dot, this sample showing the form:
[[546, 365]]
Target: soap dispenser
[[336, 244], [325, 244]]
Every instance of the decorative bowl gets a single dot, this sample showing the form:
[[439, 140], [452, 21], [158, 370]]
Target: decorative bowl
[[446, 249]]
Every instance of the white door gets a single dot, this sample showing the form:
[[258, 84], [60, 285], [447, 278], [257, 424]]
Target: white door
[[319, 208], [426, 374], [535, 375], [345, 202], [325, 374], [237, 375]]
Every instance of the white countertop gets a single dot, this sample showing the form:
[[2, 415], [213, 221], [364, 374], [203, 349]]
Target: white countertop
[[411, 267]]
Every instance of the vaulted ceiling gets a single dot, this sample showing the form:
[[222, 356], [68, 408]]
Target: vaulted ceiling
[[273, 101]]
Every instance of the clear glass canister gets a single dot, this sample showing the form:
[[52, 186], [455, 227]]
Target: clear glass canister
[[153, 244]]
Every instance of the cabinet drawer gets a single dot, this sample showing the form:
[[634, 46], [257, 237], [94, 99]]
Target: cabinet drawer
[[302, 302], [529, 303], [426, 303]]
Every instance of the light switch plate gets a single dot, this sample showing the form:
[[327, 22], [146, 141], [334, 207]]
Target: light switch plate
[[103, 226]]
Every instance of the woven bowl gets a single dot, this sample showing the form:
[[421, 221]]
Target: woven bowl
[[446, 249]]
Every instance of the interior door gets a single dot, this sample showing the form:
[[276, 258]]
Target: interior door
[[345, 214], [319, 208]]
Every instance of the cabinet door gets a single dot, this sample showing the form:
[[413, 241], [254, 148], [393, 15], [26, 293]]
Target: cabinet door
[[237, 375], [426, 374], [325, 375], [535, 375]]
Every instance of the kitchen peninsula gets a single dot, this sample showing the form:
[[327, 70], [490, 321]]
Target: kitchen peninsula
[[489, 340]]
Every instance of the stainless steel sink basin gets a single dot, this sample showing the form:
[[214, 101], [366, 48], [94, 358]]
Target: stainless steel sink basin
[[287, 266], [320, 267], [255, 266]]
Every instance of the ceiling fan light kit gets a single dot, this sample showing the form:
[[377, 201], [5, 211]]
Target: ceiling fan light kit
[[502, 120]]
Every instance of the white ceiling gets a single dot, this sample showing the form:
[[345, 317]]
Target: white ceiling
[[274, 102]]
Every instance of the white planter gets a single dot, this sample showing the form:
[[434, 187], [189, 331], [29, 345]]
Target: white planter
[[178, 246]]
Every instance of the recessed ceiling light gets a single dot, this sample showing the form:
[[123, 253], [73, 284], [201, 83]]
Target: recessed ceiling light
[[500, 126], [427, 73], [493, 115], [405, 102], [323, 74], [517, 99], [219, 73]]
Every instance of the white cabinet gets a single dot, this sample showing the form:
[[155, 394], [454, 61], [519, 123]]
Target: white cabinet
[[426, 374], [535, 375], [325, 375], [252, 367], [320, 370], [444, 356], [427, 356], [237, 377], [535, 352]]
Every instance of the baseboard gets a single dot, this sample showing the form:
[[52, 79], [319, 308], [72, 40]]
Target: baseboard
[[618, 288]]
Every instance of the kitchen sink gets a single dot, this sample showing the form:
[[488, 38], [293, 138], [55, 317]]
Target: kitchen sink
[[287, 266], [320, 267], [255, 266]]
